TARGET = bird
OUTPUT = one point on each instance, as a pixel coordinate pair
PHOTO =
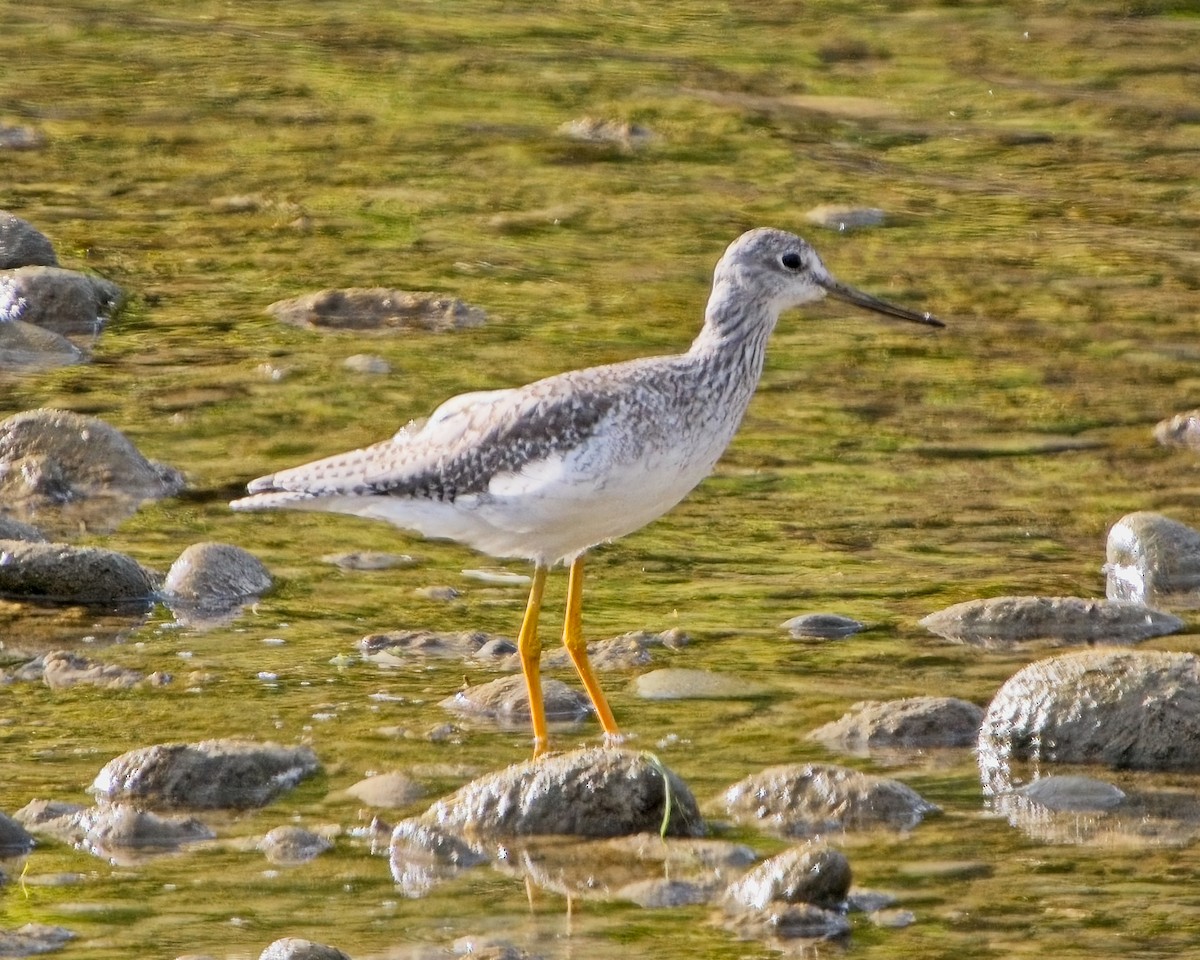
(546, 471)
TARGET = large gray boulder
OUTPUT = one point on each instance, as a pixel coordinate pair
(59, 572)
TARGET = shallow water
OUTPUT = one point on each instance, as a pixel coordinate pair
(1038, 166)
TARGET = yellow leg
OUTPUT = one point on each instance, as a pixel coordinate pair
(577, 648)
(530, 649)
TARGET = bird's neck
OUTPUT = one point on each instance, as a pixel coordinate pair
(736, 327)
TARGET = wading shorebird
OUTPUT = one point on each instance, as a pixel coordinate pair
(546, 471)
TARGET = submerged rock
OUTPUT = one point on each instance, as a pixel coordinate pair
(1125, 709)
(33, 939)
(1181, 430)
(1072, 794)
(63, 668)
(377, 309)
(393, 790)
(58, 572)
(296, 948)
(800, 800)
(23, 245)
(597, 792)
(291, 844)
(811, 873)
(14, 838)
(55, 457)
(620, 133)
(403, 646)
(421, 855)
(914, 722)
(110, 826)
(1151, 558)
(22, 345)
(1003, 620)
(506, 701)
(225, 774)
(64, 301)
(681, 683)
(821, 626)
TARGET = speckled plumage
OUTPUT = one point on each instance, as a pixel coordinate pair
(547, 470)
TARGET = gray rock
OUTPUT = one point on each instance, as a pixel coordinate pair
(226, 774)
(809, 799)
(402, 646)
(291, 844)
(1072, 793)
(619, 133)
(23, 245)
(11, 529)
(367, 363)
(1007, 620)
(811, 873)
(295, 948)
(664, 892)
(64, 301)
(843, 218)
(914, 722)
(52, 457)
(109, 826)
(54, 818)
(1125, 709)
(1152, 558)
(506, 702)
(788, 921)
(598, 792)
(60, 572)
(62, 669)
(14, 838)
(1181, 430)
(681, 683)
(393, 790)
(24, 346)
(822, 626)
(33, 939)
(215, 575)
(377, 309)
(369, 560)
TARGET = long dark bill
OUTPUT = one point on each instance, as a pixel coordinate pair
(842, 292)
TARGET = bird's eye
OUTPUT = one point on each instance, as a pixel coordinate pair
(791, 260)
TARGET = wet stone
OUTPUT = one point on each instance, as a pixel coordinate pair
(662, 893)
(50, 457)
(681, 683)
(54, 818)
(844, 218)
(216, 575)
(22, 345)
(369, 560)
(402, 646)
(787, 921)
(296, 948)
(23, 245)
(233, 774)
(821, 626)
(1068, 620)
(393, 791)
(1072, 793)
(33, 939)
(367, 363)
(377, 309)
(64, 301)
(14, 838)
(1151, 558)
(914, 722)
(62, 669)
(506, 701)
(291, 844)
(59, 572)
(421, 855)
(598, 792)
(809, 799)
(1181, 430)
(630, 136)
(11, 529)
(110, 826)
(812, 873)
(1125, 709)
